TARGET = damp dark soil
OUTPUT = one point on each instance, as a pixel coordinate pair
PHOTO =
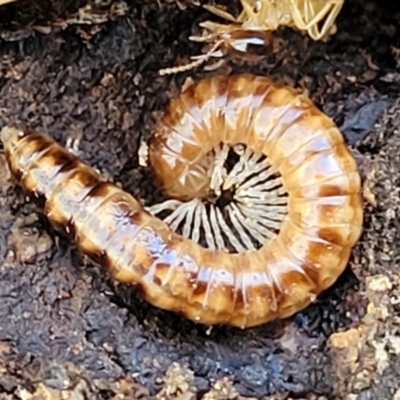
(87, 73)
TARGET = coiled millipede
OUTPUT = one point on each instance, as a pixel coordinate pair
(303, 254)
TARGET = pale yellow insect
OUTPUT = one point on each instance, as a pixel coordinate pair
(256, 22)
(269, 15)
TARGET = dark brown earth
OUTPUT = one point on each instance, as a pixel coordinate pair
(66, 330)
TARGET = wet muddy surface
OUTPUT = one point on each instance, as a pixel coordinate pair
(95, 87)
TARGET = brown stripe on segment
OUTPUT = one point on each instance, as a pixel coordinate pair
(343, 184)
(170, 118)
(250, 281)
(56, 165)
(80, 182)
(57, 157)
(64, 203)
(268, 256)
(39, 142)
(335, 219)
(40, 149)
(98, 194)
(88, 177)
(303, 262)
(319, 190)
(202, 281)
(297, 276)
(261, 86)
(240, 293)
(239, 300)
(200, 292)
(101, 190)
(163, 266)
(331, 190)
(260, 296)
(302, 244)
(123, 216)
(218, 84)
(94, 215)
(31, 136)
(334, 259)
(316, 248)
(311, 270)
(191, 107)
(26, 155)
(56, 212)
(214, 270)
(70, 165)
(329, 235)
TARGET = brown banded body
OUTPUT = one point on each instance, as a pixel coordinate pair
(304, 256)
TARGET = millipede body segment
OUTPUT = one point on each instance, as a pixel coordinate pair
(311, 249)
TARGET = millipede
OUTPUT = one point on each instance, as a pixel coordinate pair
(294, 215)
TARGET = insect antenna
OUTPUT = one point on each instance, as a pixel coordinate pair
(198, 60)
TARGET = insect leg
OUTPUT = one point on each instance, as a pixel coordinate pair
(330, 20)
(251, 14)
(219, 12)
(310, 25)
(202, 59)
